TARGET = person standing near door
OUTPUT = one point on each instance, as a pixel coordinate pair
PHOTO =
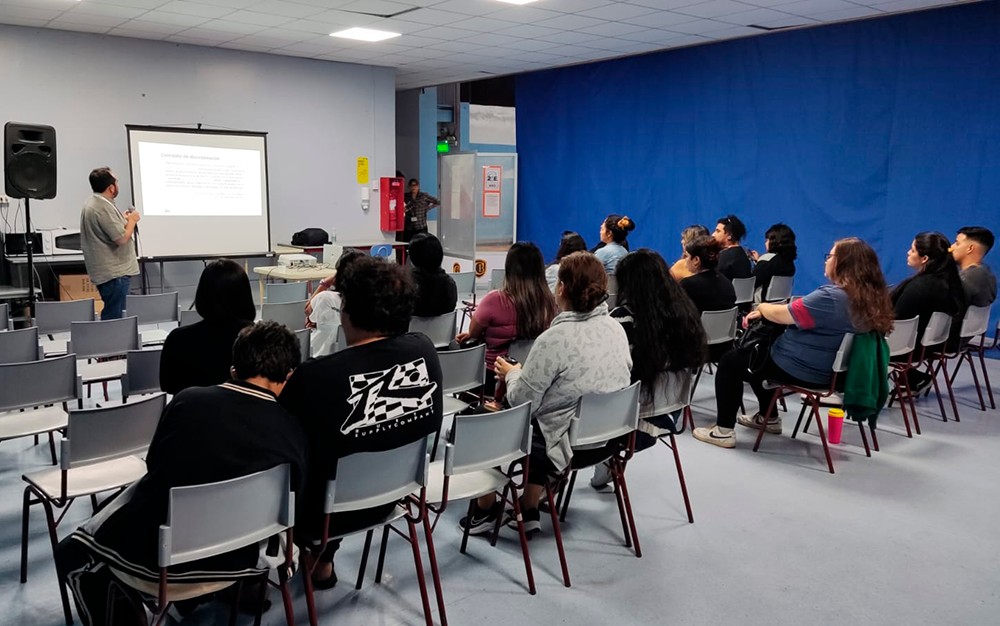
(418, 203)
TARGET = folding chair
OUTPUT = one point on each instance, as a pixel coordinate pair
(744, 290)
(153, 310)
(216, 518)
(902, 341)
(305, 343)
(20, 346)
(54, 318)
(933, 356)
(440, 330)
(974, 324)
(612, 291)
(473, 466)
(780, 289)
(720, 328)
(291, 314)
(99, 454)
(520, 349)
(26, 393)
(497, 278)
(600, 419)
(278, 293)
(5, 322)
(465, 284)
(462, 370)
(98, 340)
(189, 317)
(813, 396)
(372, 479)
(142, 373)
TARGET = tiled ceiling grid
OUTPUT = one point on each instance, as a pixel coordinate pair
(444, 41)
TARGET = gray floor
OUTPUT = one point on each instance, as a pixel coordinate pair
(907, 537)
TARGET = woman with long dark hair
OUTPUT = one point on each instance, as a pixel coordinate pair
(200, 355)
(778, 260)
(522, 309)
(855, 301)
(666, 341)
(571, 242)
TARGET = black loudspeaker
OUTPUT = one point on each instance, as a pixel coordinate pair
(29, 160)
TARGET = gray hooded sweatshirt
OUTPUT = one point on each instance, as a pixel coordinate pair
(580, 353)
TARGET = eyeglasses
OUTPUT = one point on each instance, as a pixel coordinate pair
(827, 257)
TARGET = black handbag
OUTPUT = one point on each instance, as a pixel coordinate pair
(757, 338)
(311, 237)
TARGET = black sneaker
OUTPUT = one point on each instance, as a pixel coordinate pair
(482, 521)
(531, 519)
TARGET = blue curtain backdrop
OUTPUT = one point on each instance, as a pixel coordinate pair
(877, 129)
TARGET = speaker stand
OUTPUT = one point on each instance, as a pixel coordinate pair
(31, 262)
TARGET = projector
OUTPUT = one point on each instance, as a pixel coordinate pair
(297, 260)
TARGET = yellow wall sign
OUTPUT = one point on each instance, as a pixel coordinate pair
(480, 268)
(362, 170)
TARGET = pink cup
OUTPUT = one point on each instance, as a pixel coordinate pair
(834, 425)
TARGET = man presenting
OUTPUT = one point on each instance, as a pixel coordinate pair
(106, 242)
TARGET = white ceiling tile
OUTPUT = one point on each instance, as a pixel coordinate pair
(310, 49)
(848, 14)
(79, 28)
(428, 53)
(262, 40)
(687, 40)
(89, 20)
(139, 4)
(788, 21)
(153, 27)
(194, 8)
(571, 37)
(175, 19)
(663, 5)
(432, 16)
(258, 19)
(640, 47)
(23, 21)
(616, 11)
(647, 36)
(336, 16)
(446, 33)
(244, 47)
(136, 34)
(226, 26)
(213, 36)
(29, 13)
(698, 27)
(492, 39)
(570, 51)
(524, 15)
(576, 7)
(417, 40)
(483, 24)
(336, 4)
(774, 3)
(191, 41)
(107, 10)
(232, 4)
(286, 9)
(291, 53)
(456, 46)
(55, 5)
(661, 19)
(432, 64)
(733, 31)
(755, 16)
(908, 5)
(569, 22)
(468, 7)
(314, 27)
(377, 7)
(530, 45)
(396, 26)
(610, 43)
(612, 29)
(714, 8)
(811, 7)
(528, 31)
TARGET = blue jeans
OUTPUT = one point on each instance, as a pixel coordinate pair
(113, 294)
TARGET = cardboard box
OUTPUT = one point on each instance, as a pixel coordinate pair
(79, 287)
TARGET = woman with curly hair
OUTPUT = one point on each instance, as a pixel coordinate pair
(778, 260)
(856, 301)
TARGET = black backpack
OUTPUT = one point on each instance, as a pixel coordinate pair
(311, 237)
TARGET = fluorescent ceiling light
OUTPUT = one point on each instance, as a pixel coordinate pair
(365, 34)
(518, 2)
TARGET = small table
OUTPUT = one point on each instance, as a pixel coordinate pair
(295, 274)
(287, 248)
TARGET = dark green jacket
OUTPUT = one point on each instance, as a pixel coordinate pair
(866, 387)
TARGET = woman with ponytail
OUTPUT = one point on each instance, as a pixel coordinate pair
(614, 232)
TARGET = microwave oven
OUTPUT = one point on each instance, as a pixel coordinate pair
(50, 242)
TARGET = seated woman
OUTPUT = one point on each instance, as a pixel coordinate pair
(856, 301)
(571, 242)
(614, 232)
(323, 307)
(935, 286)
(779, 260)
(205, 435)
(201, 354)
(436, 291)
(708, 289)
(666, 341)
(679, 270)
(585, 351)
(521, 309)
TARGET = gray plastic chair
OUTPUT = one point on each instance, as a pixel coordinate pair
(278, 293)
(465, 283)
(780, 289)
(720, 326)
(153, 309)
(53, 317)
(101, 453)
(34, 385)
(189, 317)
(902, 341)
(142, 373)
(520, 349)
(217, 518)
(496, 279)
(744, 289)
(440, 330)
(612, 291)
(974, 321)
(480, 446)
(291, 314)
(461, 370)
(305, 343)
(5, 322)
(20, 346)
(372, 479)
(95, 340)
(933, 356)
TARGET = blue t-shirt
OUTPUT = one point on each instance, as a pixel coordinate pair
(609, 256)
(807, 349)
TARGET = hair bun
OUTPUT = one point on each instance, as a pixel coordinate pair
(626, 223)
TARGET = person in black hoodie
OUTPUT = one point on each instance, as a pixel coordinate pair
(935, 287)
(708, 289)
(200, 355)
(436, 291)
(733, 261)
(206, 435)
(778, 260)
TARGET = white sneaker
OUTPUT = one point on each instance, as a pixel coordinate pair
(715, 436)
(754, 421)
(602, 476)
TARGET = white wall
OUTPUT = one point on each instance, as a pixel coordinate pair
(320, 117)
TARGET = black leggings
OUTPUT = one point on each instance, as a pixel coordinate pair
(733, 372)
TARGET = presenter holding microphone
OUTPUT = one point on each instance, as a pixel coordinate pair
(106, 240)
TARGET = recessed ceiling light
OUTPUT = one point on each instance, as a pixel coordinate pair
(518, 2)
(365, 34)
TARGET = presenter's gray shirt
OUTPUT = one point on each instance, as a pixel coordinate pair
(101, 223)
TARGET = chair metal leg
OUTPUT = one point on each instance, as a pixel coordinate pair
(986, 376)
(286, 596)
(937, 392)
(763, 423)
(871, 429)
(465, 532)
(381, 554)
(616, 480)
(822, 434)
(52, 448)
(435, 572)
(558, 533)
(898, 391)
(864, 439)
(262, 598)
(802, 413)
(495, 535)
(781, 401)
(975, 378)
(951, 393)
(50, 519)
(305, 564)
(24, 534)
(568, 495)
(234, 604)
(364, 559)
(909, 398)
(524, 543)
(421, 581)
(628, 509)
(680, 476)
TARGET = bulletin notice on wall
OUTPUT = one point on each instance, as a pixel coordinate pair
(492, 176)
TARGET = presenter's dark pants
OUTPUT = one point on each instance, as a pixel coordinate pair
(113, 295)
